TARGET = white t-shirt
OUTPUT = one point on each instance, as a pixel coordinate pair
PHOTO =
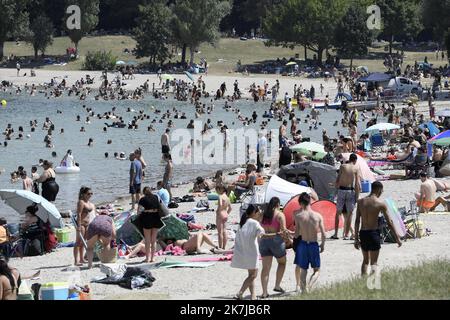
(246, 248)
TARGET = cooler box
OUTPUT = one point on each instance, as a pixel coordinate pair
(366, 187)
(55, 291)
(62, 235)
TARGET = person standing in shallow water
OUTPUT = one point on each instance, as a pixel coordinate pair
(135, 180)
(50, 188)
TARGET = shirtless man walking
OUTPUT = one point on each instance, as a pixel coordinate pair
(307, 224)
(368, 238)
(349, 185)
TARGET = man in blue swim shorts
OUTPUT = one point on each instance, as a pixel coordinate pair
(307, 224)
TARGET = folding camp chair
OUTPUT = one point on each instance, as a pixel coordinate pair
(412, 217)
(377, 142)
(385, 231)
(255, 196)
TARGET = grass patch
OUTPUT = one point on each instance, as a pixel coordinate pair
(426, 281)
(222, 58)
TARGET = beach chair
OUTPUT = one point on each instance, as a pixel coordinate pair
(387, 235)
(377, 142)
(411, 219)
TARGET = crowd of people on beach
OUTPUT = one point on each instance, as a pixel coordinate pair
(262, 231)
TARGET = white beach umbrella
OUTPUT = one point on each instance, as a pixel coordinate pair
(20, 200)
(383, 127)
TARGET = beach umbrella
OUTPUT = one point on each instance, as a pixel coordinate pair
(308, 148)
(189, 75)
(443, 113)
(132, 63)
(20, 200)
(167, 77)
(120, 63)
(174, 229)
(292, 63)
(442, 139)
(383, 127)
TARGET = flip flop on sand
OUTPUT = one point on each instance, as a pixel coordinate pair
(263, 297)
(334, 238)
(238, 297)
(280, 290)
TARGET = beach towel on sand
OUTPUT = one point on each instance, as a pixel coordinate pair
(183, 264)
(228, 257)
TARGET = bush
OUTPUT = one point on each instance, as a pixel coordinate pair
(99, 60)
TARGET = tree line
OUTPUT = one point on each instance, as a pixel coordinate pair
(156, 25)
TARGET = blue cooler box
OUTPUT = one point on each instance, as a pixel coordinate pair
(366, 186)
(55, 291)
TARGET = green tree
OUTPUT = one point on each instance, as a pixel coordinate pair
(310, 23)
(152, 33)
(197, 21)
(89, 10)
(400, 19)
(352, 37)
(41, 35)
(436, 16)
(13, 21)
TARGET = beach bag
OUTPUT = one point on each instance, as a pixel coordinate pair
(163, 210)
(51, 241)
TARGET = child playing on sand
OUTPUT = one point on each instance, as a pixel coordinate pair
(223, 210)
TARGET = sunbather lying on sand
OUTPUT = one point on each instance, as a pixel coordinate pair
(193, 245)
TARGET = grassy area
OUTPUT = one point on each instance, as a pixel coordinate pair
(429, 280)
(222, 58)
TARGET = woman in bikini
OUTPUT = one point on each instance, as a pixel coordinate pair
(194, 244)
(85, 214)
(222, 213)
(9, 281)
(273, 245)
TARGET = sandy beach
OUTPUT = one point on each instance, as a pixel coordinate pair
(339, 261)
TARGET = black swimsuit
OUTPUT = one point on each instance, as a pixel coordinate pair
(50, 189)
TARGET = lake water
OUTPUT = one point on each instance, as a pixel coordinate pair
(109, 177)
